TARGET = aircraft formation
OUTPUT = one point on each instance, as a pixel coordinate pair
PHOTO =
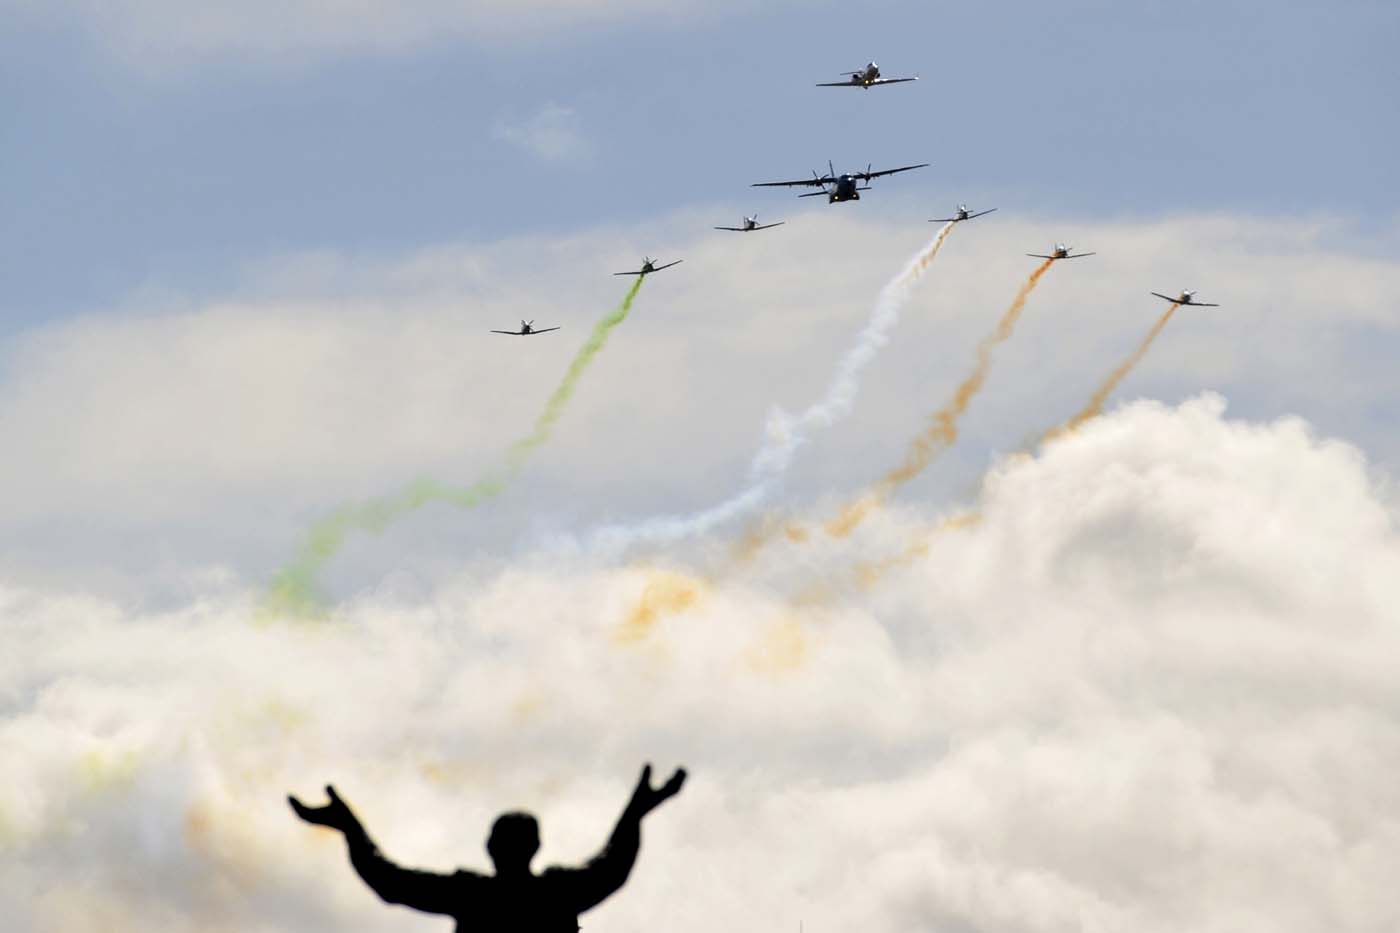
(847, 186)
(295, 586)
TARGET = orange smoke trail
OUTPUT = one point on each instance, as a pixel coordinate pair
(665, 593)
(943, 427)
(870, 573)
(1094, 407)
(922, 263)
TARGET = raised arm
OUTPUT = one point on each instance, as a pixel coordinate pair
(421, 890)
(608, 870)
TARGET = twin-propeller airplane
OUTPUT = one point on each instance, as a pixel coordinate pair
(837, 188)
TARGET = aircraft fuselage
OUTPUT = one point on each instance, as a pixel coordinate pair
(846, 188)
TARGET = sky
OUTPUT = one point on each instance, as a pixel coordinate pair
(1138, 676)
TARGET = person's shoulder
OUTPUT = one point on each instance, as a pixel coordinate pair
(468, 878)
(556, 874)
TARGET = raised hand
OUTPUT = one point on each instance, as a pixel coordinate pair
(335, 814)
(647, 798)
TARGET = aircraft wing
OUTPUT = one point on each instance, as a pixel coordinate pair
(891, 80)
(668, 265)
(766, 226)
(513, 333)
(888, 171)
(542, 330)
(1201, 304)
(808, 182)
(840, 84)
(1078, 255)
(735, 229)
(1040, 256)
(1167, 298)
(980, 213)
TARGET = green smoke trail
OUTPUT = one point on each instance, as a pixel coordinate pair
(294, 590)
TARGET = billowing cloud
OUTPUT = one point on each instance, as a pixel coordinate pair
(1153, 689)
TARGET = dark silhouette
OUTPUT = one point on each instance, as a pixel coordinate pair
(514, 898)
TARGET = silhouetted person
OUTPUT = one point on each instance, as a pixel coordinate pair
(515, 899)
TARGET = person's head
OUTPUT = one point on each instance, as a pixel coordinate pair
(514, 840)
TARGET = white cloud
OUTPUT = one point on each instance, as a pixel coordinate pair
(553, 134)
(208, 436)
(1154, 689)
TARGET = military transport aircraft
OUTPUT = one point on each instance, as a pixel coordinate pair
(1185, 298)
(845, 187)
(527, 329)
(751, 223)
(1061, 251)
(649, 265)
(867, 77)
(960, 214)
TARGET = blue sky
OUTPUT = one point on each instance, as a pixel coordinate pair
(129, 170)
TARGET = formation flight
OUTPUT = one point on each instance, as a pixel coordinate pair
(959, 215)
(527, 329)
(1061, 251)
(649, 265)
(867, 77)
(751, 223)
(1186, 298)
(845, 187)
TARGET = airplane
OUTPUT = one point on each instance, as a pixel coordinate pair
(751, 223)
(1185, 298)
(867, 77)
(527, 329)
(845, 187)
(960, 214)
(1061, 251)
(649, 265)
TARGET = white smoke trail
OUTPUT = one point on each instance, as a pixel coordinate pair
(785, 433)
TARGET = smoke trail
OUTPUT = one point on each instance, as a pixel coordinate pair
(1094, 407)
(294, 590)
(785, 433)
(943, 427)
(664, 594)
(870, 573)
